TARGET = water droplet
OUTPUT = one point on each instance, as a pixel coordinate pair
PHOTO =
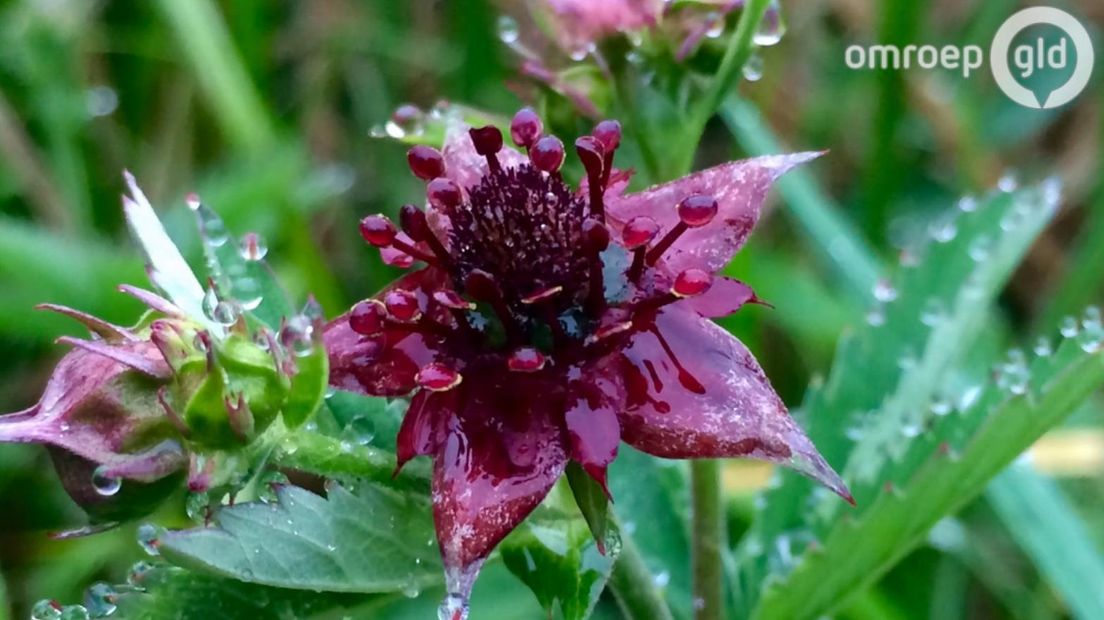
(76, 612)
(101, 599)
(911, 430)
(907, 361)
(1008, 183)
(1092, 332)
(298, 336)
(210, 302)
(248, 293)
(253, 247)
(716, 25)
(1068, 327)
(884, 291)
(411, 591)
(507, 29)
(753, 68)
(943, 231)
(100, 100)
(661, 579)
(1013, 374)
(454, 607)
(876, 317)
(213, 229)
(1043, 347)
(148, 535)
(361, 430)
(933, 312)
(226, 313)
(196, 506)
(377, 131)
(771, 29)
(46, 609)
(941, 407)
(969, 397)
(967, 204)
(979, 248)
(104, 484)
(137, 574)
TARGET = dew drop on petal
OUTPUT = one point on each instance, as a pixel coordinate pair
(104, 484)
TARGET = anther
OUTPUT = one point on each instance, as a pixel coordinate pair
(547, 154)
(596, 239)
(608, 132)
(592, 154)
(437, 377)
(697, 210)
(488, 142)
(443, 193)
(636, 236)
(425, 162)
(525, 359)
(542, 295)
(692, 282)
(366, 318)
(402, 305)
(414, 224)
(526, 128)
(377, 230)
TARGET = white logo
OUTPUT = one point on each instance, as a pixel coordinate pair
(1028, 58)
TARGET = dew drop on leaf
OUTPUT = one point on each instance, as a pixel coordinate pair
(101, 599)
(253, 247)
(884, 291)
(1068, 327)
(76, 612)
(148, 535)
(46, 609)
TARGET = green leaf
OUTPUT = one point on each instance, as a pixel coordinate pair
(921, 326)
(346, 460)
(372, 539)
(1046, 526)
(591, 500)
(935, 473)
(556, 556)
(363, 415)
(170, 592)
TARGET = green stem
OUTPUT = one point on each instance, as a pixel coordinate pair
(708, 539)
(740, 48)
(633, 585)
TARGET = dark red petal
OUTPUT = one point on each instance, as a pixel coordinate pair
(695, 391)
(725, 296)
(386, 364)
(418, 433)
(739, 187)
(498, 458)
(593, 429)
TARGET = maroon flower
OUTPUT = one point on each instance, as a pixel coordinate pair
(551, 324)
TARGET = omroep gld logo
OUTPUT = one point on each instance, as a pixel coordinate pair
(1029, 58)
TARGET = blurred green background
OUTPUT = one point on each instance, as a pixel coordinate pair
(266, 109)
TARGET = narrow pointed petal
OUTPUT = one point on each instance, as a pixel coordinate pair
(138, 359)
(418, 434)
(98, 326)
(153, 300)
(593, 430)
(467, 167)
(739, 187)
(725, 296)
(499, 456)
(696, 392)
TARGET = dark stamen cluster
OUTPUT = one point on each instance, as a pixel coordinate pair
(524, 228)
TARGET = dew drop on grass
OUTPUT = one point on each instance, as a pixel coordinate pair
(771, 29)
(876, 317)
(148, 535)
(753, 68)
(716, 25)
(941, 407)
(1043, 347)
(507, 29)
(1008, 183)
(1068, 327)
(101, 600)
(884, 291)
(979, 248)
(1092, 331)
(944, 231)
(932, 313)
(104, 484)
(253, 247)
(967, 204)
(226, 313)
(213, 229)
(46, 609)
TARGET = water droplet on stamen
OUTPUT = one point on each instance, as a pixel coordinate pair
(104, 484)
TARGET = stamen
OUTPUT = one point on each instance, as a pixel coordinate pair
(413, 252)
(366, 318)
(488, 142)
(481, 285)
(526, 128)
(636, 236)
(687, 380)
(692, 282)
(608, 132)
(437, 377)
(402, 306)
(452, 301)
(425, 162)
(547, 155)
(377, 230)
(542, 295)
(608, 330)
(525, 359)
(592, 154)
(596, 239)
(444, 193)
(694, 212)
(544, 300)
(415, 225)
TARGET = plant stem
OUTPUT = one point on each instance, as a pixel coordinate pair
(737, 54)
(708, 539)
(634, 586)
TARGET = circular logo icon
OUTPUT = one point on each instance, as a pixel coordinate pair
(1002, 42)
